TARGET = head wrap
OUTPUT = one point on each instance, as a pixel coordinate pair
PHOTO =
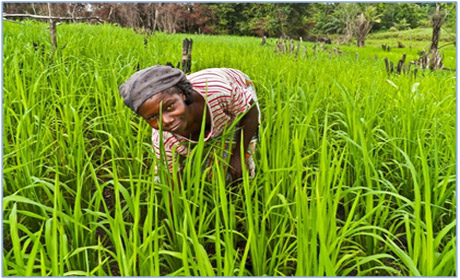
(145, 83)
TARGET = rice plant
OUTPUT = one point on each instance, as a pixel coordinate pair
(355, 175)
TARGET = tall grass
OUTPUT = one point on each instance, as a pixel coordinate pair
(356, 169)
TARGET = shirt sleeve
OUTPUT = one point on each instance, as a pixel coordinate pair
(242, 92)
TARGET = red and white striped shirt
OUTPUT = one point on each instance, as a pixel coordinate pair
(227, 94)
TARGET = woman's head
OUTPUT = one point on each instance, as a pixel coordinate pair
(151, 81)
(169, 109)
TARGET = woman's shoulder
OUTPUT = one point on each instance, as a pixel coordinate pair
(206, 74)
(223, 73)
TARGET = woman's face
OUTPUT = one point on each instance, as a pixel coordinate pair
(175, 113)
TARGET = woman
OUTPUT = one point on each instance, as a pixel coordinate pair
(221, 95)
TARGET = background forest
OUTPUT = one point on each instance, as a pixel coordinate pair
(250, 19)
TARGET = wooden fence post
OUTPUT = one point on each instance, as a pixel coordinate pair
(52, 28)
(53, 33)
(187, 55)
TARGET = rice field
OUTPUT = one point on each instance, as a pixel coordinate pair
(356, 168)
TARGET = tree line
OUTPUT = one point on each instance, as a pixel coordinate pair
(250, 19)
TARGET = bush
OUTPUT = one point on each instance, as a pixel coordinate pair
(402, 25)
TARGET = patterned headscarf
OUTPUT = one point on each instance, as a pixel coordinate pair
(145, 83)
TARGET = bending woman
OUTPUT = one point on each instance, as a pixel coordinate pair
(225, 93)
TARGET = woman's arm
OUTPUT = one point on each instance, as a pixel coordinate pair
(249, 125)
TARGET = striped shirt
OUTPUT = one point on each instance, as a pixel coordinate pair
(227, 94)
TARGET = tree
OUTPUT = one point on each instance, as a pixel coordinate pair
(300, 18)
(197, 19)
(437, 23)
(345, 16)
(364, 23)
(262, 22)
(228, 16)
(393, 13)
(402, 25)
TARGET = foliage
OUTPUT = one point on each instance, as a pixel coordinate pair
(342, 20)
(272, 19)
(351, 19)
(402, 25)
(338, 18)
(253, 19)
(418, 34)
(356, 168)
(364, 23)
(392, 13)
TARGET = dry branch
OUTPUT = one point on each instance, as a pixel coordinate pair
(51, 17)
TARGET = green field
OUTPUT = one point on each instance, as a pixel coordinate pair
(356, 167)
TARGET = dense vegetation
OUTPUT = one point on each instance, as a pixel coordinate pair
(356, 167)
(252, 19)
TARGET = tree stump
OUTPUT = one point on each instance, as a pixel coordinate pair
(387, 65)
(400, 64)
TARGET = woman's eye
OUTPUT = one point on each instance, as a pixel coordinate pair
(170, 106)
